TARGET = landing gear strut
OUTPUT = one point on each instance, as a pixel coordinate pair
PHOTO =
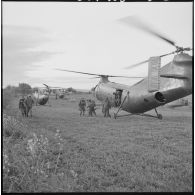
(115, 114)
(159, 116)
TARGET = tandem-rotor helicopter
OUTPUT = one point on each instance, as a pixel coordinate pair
(59, 92)
(163, 84)
(42, 97)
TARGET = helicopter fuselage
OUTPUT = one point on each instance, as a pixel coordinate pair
(40, 99)
(175, 83)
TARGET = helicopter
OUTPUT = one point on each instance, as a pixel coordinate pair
(162, 85)
(59, 92)
(42, 96)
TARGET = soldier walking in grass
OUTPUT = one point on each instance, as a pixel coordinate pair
(82, 105)
(91, 107)
(106, 107)
(22, 107)
(25, 106)
(28, 105)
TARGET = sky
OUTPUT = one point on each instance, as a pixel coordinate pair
(39, 37)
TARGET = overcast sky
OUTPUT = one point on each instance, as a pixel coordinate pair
(41, 36)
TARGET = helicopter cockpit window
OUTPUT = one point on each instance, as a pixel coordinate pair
(117, 97)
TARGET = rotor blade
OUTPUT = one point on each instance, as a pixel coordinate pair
(130, 77)
(136, 22)
(53, 87)
(48, 88)
(78, 72)
(56, 87)
(46, 85)
(95, 77)
(188, 49)
(143, 62)
(100, 75)
(135, 65)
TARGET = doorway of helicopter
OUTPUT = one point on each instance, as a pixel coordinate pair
(117, 97)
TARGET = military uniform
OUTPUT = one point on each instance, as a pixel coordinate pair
(91, 107)
(22, 107)
(106, 107)
(82, 105)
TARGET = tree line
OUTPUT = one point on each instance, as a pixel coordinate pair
(21, 89)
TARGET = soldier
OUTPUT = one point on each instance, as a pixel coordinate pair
(28, 105)
(22, 107)
(106, 107)
(82, 105)
(91, 107)
(117, 95)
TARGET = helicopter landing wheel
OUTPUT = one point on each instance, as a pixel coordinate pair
(160, 116)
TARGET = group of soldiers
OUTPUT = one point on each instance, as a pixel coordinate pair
(91, 107)
(90, 104)
(25, 105)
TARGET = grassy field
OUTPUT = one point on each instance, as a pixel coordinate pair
(129, 154)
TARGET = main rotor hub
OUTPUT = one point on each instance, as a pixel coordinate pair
(182, 49)
(104, 78)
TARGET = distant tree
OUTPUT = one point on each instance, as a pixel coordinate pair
(9, 87)
(12, 90)
(70, 89)
(24, 88)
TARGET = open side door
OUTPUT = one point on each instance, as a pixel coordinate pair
(117, 97)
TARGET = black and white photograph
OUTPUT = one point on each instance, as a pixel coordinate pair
(97, 96)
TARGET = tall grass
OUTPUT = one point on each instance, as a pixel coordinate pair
(58, 151)
(31, 162)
